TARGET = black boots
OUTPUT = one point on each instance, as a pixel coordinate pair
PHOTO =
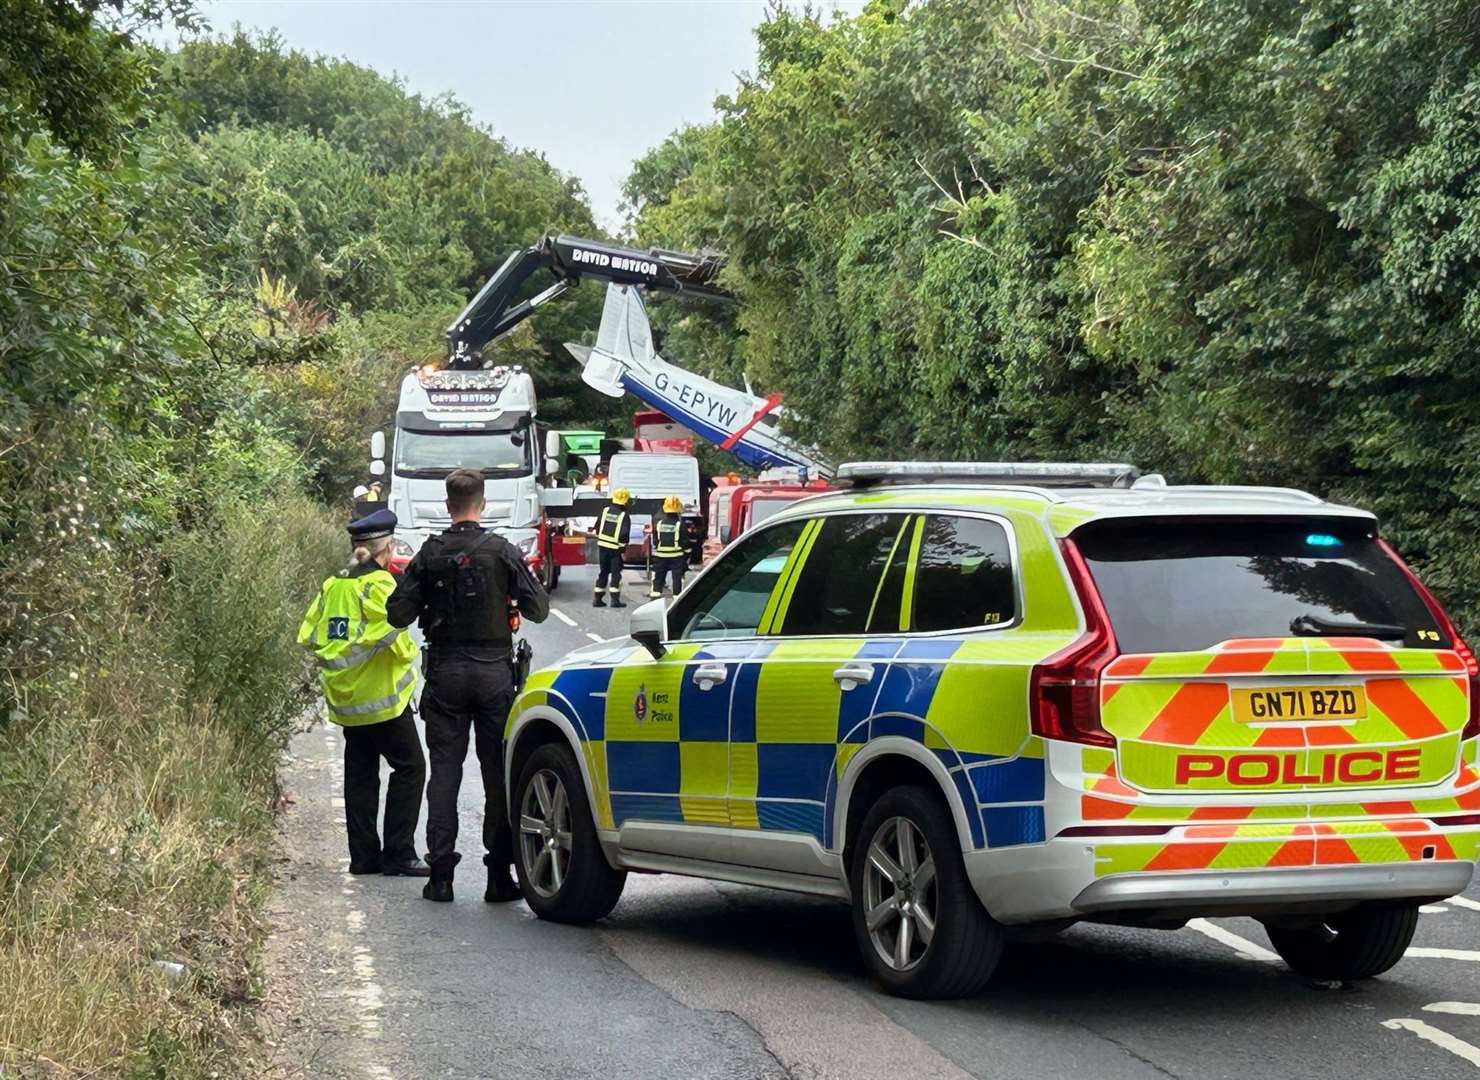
(414, 868)
(597, 601)
(439, 885)
(501, 886)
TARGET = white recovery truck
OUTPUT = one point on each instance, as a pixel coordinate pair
(480, 419)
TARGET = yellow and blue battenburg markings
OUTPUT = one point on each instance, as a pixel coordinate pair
(766, 748)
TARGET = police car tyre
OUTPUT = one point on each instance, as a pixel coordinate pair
(922, 931)
(562, 872)
(1356, 944)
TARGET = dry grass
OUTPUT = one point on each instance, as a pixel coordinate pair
(136, 809)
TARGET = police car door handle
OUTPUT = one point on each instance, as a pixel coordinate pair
(852, 676)
(708, 676)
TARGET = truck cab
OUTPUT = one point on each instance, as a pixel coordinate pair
(484, 420)
(735, 508)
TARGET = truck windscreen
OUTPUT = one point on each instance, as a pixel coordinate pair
(435, 454)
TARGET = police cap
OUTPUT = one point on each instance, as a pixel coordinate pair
(373, 526)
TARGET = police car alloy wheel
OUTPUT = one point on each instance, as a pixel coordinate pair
(920, 927)
(899, 894)
(544, 832)
(1355, 944)
(562, 870)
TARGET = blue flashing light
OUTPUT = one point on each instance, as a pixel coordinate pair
(1322, 540)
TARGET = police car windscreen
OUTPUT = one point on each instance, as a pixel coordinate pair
(420, 453)
(1177, 586)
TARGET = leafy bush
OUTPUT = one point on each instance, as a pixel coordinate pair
(1232, 241)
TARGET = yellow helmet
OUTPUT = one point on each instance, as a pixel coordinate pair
(673, 505)
(621, 496)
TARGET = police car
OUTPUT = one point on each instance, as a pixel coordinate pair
(970, 698)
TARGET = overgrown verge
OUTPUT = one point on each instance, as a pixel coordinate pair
(137, 781)
(215, 265)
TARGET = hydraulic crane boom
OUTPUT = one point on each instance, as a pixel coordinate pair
(495, 310)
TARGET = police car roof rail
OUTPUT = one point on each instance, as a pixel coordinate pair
(1250, 491)
(496, 309)
(1025, 473)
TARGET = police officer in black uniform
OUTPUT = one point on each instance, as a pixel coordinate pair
(460, 586)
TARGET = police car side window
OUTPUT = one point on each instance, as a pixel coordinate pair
(730, 599)
(964, 575)
(838, 585)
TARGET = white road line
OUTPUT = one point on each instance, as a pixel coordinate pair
(562, 616)
(1241, 945)
(594, 637)
(1454, 1008)
(1471, 955)
(1432, 909)
(1442, 1039)
(1464, 902)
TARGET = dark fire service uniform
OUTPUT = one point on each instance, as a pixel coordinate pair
(613, 533)
(460, 585)
(669, 556)
(367, 670)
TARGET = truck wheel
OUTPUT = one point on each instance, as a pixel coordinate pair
(919, 924)
(549, 572)
(1356, 944)
(562, 871)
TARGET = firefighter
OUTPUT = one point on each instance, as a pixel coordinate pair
(463, 586)
(613, 531)
(366, 667)
(669, 557)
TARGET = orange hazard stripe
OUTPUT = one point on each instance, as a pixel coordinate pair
(1240, 663)
(1186, 856)
(1191, 712)
(1404, 708)
(1372, 659)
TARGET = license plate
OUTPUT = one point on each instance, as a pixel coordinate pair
(1276, 704)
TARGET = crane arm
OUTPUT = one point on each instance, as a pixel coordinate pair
(494, 311)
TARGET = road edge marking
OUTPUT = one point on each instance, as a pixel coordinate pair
(1472, 955)
(562, 616)
(1442, 1039)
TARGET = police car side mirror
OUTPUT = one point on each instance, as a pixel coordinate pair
(650, 626)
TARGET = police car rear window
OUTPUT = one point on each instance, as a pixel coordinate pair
(963, 576)
(1172, 586)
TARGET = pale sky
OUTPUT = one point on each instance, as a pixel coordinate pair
(590, 83)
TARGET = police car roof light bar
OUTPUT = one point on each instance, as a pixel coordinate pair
(1027, 473)
(494, 311)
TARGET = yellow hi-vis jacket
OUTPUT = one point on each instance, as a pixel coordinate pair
(366, 665)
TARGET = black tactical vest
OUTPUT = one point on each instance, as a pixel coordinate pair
(466, 598)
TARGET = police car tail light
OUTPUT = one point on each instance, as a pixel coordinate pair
(1065, 689)
(1446, 627)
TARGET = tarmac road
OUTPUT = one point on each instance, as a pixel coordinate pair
(693, 979)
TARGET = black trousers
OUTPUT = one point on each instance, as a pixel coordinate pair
(467, 689)
(364, 746)
(609, 569)
(672, 566)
